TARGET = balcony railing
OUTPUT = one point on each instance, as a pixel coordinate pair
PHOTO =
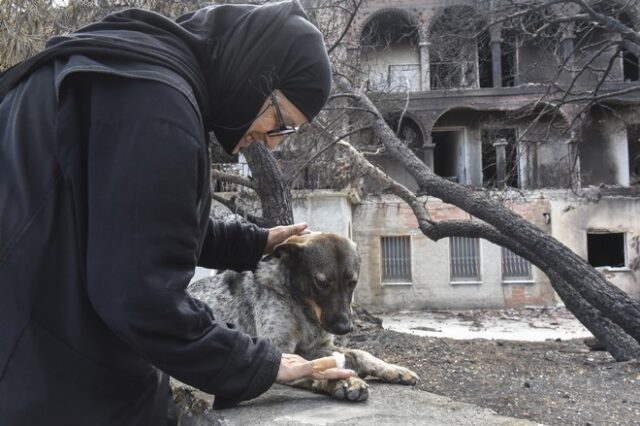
(318, 175)
(450, 75)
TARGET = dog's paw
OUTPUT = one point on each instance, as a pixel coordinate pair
(351, 389)
(397, 374)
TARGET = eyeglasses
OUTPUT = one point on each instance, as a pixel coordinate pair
(283, 129)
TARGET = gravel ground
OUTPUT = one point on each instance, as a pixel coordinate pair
(556, 382)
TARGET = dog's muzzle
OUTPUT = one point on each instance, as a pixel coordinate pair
(341, 325)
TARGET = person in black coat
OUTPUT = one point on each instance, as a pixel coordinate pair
(104, 198)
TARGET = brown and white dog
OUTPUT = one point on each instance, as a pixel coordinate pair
(299, 297)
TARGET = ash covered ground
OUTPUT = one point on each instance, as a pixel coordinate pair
(558, 381)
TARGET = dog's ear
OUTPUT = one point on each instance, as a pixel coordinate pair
(291, 248)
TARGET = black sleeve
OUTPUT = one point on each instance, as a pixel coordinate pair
(232, 246)
(143, 238)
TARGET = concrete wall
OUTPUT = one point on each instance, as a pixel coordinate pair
(365, 221)
(604, 154)
(325, 211)
(377, 63)
(548, 162)
(431, 286)
(572, 219)
(396, 171)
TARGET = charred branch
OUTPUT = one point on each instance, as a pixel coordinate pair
(621, 346)
(553, 256)
(232, 178)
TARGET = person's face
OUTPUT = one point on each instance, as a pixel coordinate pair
(267, 120)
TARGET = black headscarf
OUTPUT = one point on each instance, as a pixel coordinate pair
(233, 56)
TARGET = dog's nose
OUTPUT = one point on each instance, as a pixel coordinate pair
(343, 325)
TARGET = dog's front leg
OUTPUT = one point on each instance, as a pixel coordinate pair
(351, 389)
(366, 364)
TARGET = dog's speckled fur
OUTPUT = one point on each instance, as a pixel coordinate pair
(297, 298)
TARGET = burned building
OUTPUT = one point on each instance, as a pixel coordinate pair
(514, 112)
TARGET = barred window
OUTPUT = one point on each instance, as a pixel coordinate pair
(514, 267)
(465, 259)
(396, 259)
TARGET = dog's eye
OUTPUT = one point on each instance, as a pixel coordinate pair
(352, 283)
(320, 283)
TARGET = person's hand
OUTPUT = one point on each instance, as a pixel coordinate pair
(294, 367)
(278, 234)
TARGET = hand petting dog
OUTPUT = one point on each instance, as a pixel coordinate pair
(278, 234)
(294, 367)
(303, 321)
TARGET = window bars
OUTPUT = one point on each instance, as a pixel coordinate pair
(514, 267)
(465, 259)
(396, 259)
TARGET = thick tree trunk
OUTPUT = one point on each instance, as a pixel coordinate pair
(270, 185)
(551, 255)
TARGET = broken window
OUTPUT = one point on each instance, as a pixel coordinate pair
(396, 258)
(447, 154)
(465, 259)
(489, 158)
(514, 267)
(606, 249)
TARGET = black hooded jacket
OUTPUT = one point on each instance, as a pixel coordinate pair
(104, 213)
(104, 217)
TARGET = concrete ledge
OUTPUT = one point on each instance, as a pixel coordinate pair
(387, 405)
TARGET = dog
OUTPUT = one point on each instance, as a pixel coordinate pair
(300, 297)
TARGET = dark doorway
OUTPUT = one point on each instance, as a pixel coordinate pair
(633, 143)
(606, 249)
(630, 68)
(448, 153)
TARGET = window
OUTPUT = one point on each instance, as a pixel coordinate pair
(465, 259)
(514, 267)
(396, 259)
(606, 249)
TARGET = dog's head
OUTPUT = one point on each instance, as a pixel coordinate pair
(324, 271)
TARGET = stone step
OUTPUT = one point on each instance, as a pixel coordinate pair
(393, 405)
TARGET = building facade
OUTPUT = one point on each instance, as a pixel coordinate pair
(473, 102)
